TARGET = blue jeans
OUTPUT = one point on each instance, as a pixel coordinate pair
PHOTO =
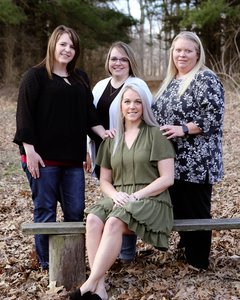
(128, 249)
(64, 184)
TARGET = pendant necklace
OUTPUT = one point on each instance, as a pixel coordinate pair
(113, 90)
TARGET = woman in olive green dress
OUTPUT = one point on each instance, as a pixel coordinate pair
(137, 167)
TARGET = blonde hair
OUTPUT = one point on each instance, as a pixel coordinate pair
(48, 61)
(147, 116)
(133, 67)
(172, 70)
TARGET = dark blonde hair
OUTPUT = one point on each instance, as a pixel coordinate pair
(48, 61)
(172, 70)
(133, 67)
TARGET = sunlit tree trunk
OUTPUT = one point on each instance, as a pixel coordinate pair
(141, 35)
(9, 39)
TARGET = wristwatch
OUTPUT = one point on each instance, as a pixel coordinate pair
(185, 129)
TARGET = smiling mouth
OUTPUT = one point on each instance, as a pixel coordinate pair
(66, 55)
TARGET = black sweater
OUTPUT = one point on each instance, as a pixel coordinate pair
(55, 116)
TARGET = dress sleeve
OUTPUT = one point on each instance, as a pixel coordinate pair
(28, 95)
(104, 154)
(162, 148)
(209, 94)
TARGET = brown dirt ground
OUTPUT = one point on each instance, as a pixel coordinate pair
(153, 275)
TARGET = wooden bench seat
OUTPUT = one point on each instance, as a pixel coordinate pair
(206, 224)
(67, 244)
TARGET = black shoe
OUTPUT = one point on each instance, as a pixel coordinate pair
(95, 297)
(76, 295)
(180, 244)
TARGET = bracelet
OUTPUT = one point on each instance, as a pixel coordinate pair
(135, 197)
(185, 129)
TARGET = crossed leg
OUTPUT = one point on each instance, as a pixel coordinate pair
(103, 243)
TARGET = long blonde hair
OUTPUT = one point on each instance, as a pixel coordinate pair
(147, 116)
(172, 70)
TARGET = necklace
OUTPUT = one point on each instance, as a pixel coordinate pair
(113, 90)
(62, 76)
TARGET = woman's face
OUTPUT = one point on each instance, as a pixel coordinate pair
(185, 55)
(118, 63)
(131, 106)
(64, 50)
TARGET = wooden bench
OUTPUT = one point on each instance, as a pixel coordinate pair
(67, 244)
(66, 250)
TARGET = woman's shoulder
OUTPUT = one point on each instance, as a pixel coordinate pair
(36, 70)
(102, 81)
(206, 74)
(159, 140)
(81, 72)
(207, 79)
(35, 73)
(107, 143)
(153, 130)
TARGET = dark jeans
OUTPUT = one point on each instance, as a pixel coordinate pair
(193, 201)
(67, 183)
(128, 249)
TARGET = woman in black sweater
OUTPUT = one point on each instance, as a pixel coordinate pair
(55, 112)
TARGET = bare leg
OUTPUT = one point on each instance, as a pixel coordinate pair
(105, 256)
(94, 233)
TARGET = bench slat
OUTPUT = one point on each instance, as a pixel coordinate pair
(206, 224)
(54, 228)
(179, 225)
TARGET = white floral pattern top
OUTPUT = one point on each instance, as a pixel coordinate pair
(198, 157)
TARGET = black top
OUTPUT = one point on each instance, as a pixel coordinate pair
(103, 106)
(55, 116)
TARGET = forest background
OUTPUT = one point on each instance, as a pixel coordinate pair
(25, 26)
(149, 27)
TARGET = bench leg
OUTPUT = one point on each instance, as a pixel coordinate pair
(67, 260)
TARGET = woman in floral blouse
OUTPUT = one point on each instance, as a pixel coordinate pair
(189, 107)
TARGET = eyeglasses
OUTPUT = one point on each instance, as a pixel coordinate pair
(122, 60)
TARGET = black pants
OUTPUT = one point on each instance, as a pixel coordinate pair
(193, 201)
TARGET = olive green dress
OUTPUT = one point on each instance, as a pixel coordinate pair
(150, 218)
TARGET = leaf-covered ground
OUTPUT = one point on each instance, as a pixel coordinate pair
(153, 275)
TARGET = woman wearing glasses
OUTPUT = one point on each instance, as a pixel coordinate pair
(122, 67)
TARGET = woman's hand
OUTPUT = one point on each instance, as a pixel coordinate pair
(100, 130)
(33, 160)
(87, 164)
(120, 198)
(109, 133)
(172, 131)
